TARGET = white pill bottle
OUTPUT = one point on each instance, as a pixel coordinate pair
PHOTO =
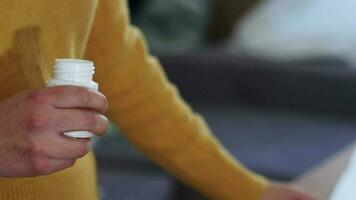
(75, 72)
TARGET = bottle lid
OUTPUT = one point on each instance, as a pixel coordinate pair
(76, 70)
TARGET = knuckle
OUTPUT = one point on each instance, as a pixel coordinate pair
(36, 121)
(38, 97)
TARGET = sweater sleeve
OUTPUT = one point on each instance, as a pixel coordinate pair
(153, 116)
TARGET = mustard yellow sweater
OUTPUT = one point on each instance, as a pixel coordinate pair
(142, 101)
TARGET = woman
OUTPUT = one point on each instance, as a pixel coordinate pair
(142, 102)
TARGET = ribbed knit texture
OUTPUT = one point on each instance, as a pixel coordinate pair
(78, 182)
(146, 106)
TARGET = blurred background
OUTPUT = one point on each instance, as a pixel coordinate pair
(275, 79)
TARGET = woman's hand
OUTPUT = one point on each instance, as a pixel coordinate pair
(285, 192)
(32, 123)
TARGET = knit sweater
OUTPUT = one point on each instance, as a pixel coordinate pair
(145, 105)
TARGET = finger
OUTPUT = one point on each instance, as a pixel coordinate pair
(49, 166)
(60, 147)
(80, 120)
(78, 97)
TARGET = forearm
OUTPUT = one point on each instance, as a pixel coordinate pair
(165, 128)
(151, 113)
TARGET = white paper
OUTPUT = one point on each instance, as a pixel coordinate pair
(346, 187)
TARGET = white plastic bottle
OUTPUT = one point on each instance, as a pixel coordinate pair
(74, 72)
